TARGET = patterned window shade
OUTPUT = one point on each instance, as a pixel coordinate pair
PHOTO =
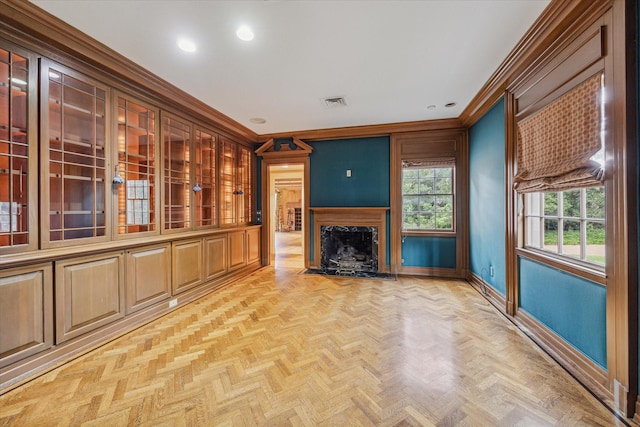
(556, 144)
(444, 162)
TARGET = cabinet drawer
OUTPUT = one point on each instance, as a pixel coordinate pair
(89, 294)
(26, 312)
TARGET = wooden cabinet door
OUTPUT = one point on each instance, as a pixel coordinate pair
(186, 267)
(89, 294)
(26, 312)
(253, 245)
(237, 249)
(215, 256)
(148, 276)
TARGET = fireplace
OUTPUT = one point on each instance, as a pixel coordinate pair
(349, 241)
(348, 250)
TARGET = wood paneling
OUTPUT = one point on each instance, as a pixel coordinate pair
(186, 265)
(148, 276)
(215, 256)
(26, 312)
(437, 144)
(253, 245)
(89, 294)
(237, 249)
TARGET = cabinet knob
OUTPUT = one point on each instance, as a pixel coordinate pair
(197, 188)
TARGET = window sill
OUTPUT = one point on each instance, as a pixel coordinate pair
(416, 233)
(592, 274)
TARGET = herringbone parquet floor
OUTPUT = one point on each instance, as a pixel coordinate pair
(281, 348)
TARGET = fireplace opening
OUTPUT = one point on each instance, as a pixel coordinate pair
(348, 250)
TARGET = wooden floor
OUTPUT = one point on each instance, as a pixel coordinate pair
(282, 348)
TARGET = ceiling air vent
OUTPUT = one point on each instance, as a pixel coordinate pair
(334, 102)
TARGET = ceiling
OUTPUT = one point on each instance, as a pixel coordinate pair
(390, 60)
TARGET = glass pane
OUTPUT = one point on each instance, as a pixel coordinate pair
(411, 203)
(443, 186)
(551, 203)
(410, 186)
(410, 222)
(78, 193)
(444, 221)
(426, 186)
(595, 242)
(444, 172)
(533, 233)
(428, 204)
(427, 221)
(551, 234)
(595, 202)
(571, 203)
(571, 238)
(177, 139)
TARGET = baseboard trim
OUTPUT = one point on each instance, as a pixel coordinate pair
(583, 369)
(450, 273)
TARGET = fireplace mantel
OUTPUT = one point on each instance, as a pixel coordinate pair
(366, 217)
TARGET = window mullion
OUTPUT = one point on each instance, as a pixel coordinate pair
(560, 196)
(583, 224)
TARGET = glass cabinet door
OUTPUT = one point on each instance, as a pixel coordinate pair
(176, 140)
(135, 168)
(76, 169)
(227, 182)
(244, 185)
(16, 158)
(205, 179)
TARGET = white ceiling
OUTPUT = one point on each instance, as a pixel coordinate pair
(389, 59)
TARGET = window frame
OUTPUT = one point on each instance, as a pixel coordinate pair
(580, 263)
(430, 231)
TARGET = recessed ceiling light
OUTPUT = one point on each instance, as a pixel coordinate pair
(449, 105)
(285, 166)
(431, 107)
(244, 33)
(258, 120)
(187, 45)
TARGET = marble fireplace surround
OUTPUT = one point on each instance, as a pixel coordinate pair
(361, 217)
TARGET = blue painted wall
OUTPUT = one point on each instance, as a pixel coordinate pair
(572, 307)
(367, 158)
(437, 252)
(486, 198)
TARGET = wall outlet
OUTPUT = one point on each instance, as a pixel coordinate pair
(491, 271)
(403, 260)
(173, 303)
(348, 173)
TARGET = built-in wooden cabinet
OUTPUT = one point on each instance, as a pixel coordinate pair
(148, 276)
(26, 312)
(75, 155)
(187, 265)
(135, 178)
(237, 249)
(116, 205)
(253, 245)
(18, 159)
(236, 176)
(215, 256)
(89, 293)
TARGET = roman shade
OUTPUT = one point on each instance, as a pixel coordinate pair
(557, 143)
(443, 162)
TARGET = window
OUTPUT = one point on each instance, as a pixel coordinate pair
(427, 198)
(570, 223)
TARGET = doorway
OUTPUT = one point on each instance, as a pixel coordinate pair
(286, 215)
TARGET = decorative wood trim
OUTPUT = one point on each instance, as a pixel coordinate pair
(488, 292)
(66, 43)
(365, 217)
(539, 41)
(448, 273)
(266, 203)
(271, 149)
(581, 367)
(365, 131)
(513, 221)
